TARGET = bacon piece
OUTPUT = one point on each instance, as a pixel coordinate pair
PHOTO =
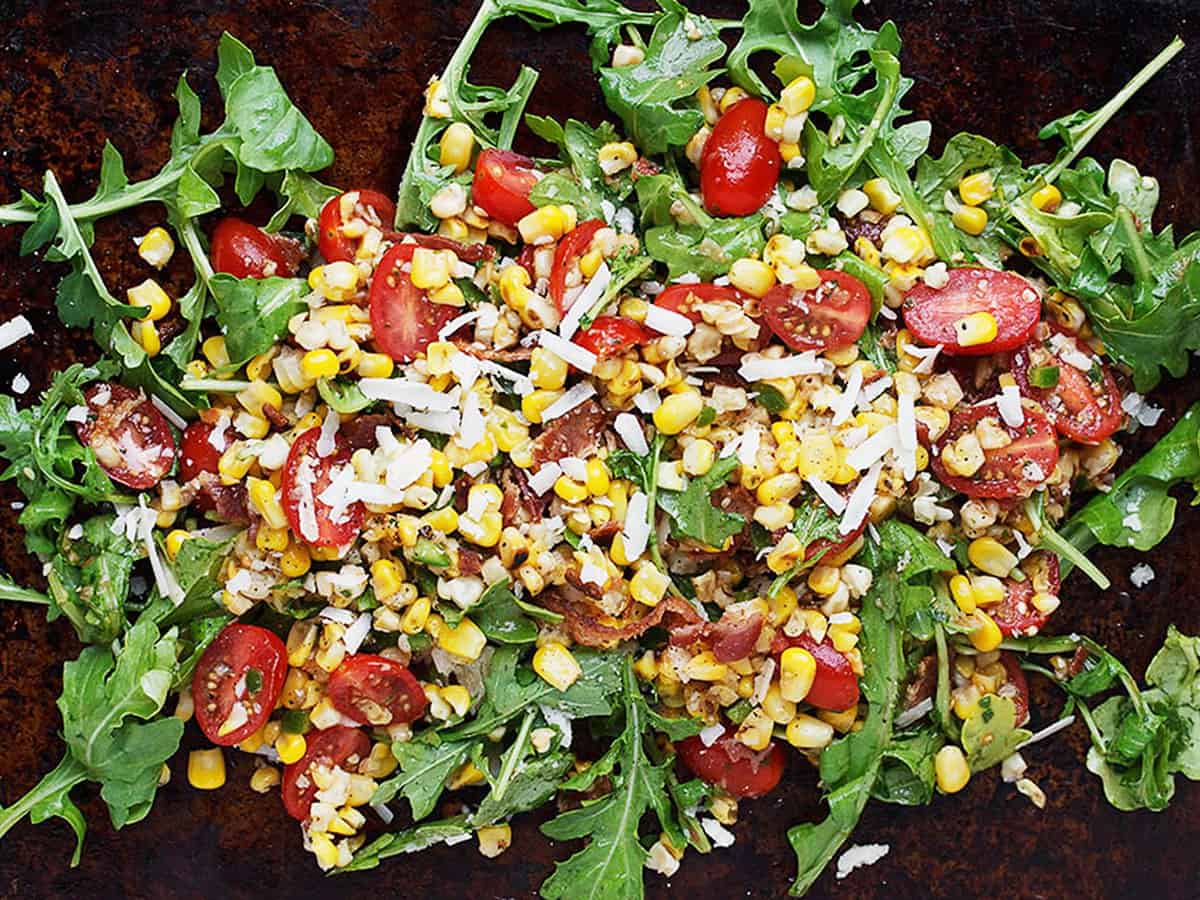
(923, 684)
(229, 501)
(578, 433)
(521, 505)
(359, 432)
(731, 638)
(274, 416)
(470, 562)
(510, 355)
(592, 628)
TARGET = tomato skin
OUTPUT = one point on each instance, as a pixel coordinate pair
(680, 298)
(612, 336)
(835, 686)
(829, 317)
(740, 164)
(364, 684)
(1081, 410)
(131, 439)
(930, 313)
(333, 245)
(244, 251)
(503, 180)
(329, 746)
(304, 453)
(731, 765)
(1019, 690)
(1015, 615)
(829, 548)
(1009, 471)
(198, 453)
(572, 246)
(404, 321)
(223, 665)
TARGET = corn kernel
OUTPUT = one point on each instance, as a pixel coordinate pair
(263, 779)
(456, 146)
(156, 246)
(290, 747)
(798, 96)
(386, 578)
(963, 593)
(547, 370)
(731, 97)
(375, 365)
(465, 641)
(646, 667)
(976, 189)
(146, 334)
(537, 402)
(547, 224)
(752, 276)
(756, 729)
(149, 295)
(570, 490)
(206, 769)
(416, 616)
(797, 671)
(1046, 198)
(648, 585)
(951, 769)
(430, 268)
(824, 580)
(444, 519)
(556, 665)
(807, 732)
(458, 697)
(214, 351)
(779, 488)
(264, 499)
(321, 363)
(778, 708)
(494, 839)
(678, 411)
(615, 157)
(175, 541)
(988, 555)
(988, 590)
(970, 219)
(986, 635)
(882, 195)
(336, 281)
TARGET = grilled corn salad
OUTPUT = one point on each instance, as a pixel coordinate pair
(742, 436)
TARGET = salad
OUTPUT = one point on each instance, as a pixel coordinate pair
(737, 434)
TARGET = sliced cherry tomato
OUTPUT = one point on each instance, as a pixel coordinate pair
(340, 745)
(829, 317)
(740, 164)
(1015, 615)
(835, 685)
(130, 437)
(245, 251)
(1016, 688)
(682, 298)
(828, 548)
(932, 314)
(306, 474)
(200, 453)
(1010, 471)
(611, 336)
(403, 320)
(572, 246)
(375, 690)
(1085, 405)
(238, 682)
(503, 180)
(370, 206)
(731, 765)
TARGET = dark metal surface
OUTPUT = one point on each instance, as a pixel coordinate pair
(72, 74)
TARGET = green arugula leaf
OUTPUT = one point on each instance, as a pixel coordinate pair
(692, 512)
(303, 196)
(426, 762)
(412, 840)
(10, 590)
(254, 312)
(500, 617)
(906, 771)
(88, 580)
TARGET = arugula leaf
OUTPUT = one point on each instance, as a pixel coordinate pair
(906, 771)
(708, 250)
(303, 196)
(500, 617)
(587, 185)
(412, 840)
(88, 580)
(342, 396)
(10, 590)
(692, 512)
(425, 763)
(990, 733)
(254, 312)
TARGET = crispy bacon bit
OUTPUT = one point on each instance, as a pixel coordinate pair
(923, 684)
(520, 506)
(510, 355)
(469, 562)
(229, 501)
(731, 638)
(274, 416)
(592, 628)
(576, 434)
(359, 432)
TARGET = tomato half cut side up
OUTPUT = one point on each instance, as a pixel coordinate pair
(245, 251)
(1083, 404)
(731, 765)
(374, 690)
(129, 436)
(572, 246)
(201, 452)
(611, 336)
(933, 314)
(238, 682)
(683, 298)
(372, 207)
(403, 320)
(306, 474)
(502, 183)
(740, 164)
(1013, 470)
(829, 317)
(835, 685)
(340, 745)
(1015, 615)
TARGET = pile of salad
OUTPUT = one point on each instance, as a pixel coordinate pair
(739, 434)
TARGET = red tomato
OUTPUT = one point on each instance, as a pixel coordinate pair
(831, 316)
(835, 685)
(371, 206)
(305, 475)
(1016, 688)
(613, 335)
(572, 246)
(681, 298)
(503, 180)
(1084, 406)
(130, 437)
(336, 746)
(740, 164)
(226, 689)
(525, 259)
(248, 252)
(829, 548)
(403, 319)
(931, 314)
(374, 690)
(1015, 615)
(731, 765)
(1010, 471)
(198, 453)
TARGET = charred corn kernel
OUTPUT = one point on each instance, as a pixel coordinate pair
(986, 635)
(843, 641)
(797, 671)
(782, 605)
(269, 538)
(466, 776)
(456, 146)
(752, 276)
(175, 541)
(514, 287)
(295, 561)
(430, 268)
(197, 368)
(547, 224)
(646, 667)
(1046, 198)
(156, 246)
(416, 616)
(214, 351)
(970, 219)
(951, 769)
(648, 585)
(598, 480)
(964, 457)
(798, 96)
(731, 96)
(570, 490)
(678, 411)
(988, 589)
(206, 769)
(444, 520)
(381, 762)
(258, 395)
(547, 370)
(439, 357)
(975, 329)
(882, 195)
(778, 708)
(494, 839)
(807, 732)
(536, 402)
(465, 641)
(305, 422)
(977, 188)
(335, 281)
(785, 554)
(290, 747)
(963, 593)
(149, 295)
(146, 334)
(458, 697)
(321, 363)
(556, 665)
(824, 580)
(386, 578)
(264, 499)
(988, 555)
(263, 779)
(616, 156)
(755, 730)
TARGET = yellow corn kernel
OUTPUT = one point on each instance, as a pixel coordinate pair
(970, 219)
(386, 578)
(963, 593)
(206, 769)
(215, 352)
(295, 560)
(264, 499)
(269, 538)
(258, 395)
(755, 730)
(547, 370)
(336, 281)
(547, 224)
(1046, 198)
(782, 605)
(964, 457)
(732, 96)
(775, 122)
(616, 156)
(458, 697)
(570, 490)
(951, 769)
(778, 708)
(149, 295)
(156, 246)
(988, 555)
(807, 732)
(785, 554)
(514, 287)
(882, 195)
(598, 480)
(867, 251)
(321, 363)
(444, 520)
(465, 641)
(449, 294)
(797, 671)
(708, 106)
(699, 456)
(375, 365)
(536, 402)
(824, 580)
(648, 585)
(986, 636)
(976, 189)
(617, 552)
(443, 474)
(456, 146)
(416, 616)
(263, 779)
(146, 334)
(678, 411)
(175, 541)
(494, 839)
(779, 488)
(646, 667)
(988, 590)
(589, 263)
(290, 747)
(798, 96)
(789, 151)
(556, 665)
(484, 532)
(485, 496)
(430, 268)
(752, 276)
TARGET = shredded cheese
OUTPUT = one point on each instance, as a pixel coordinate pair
(15, 329)
(629, 429)
(580, 357)
(636, 532)
(667, 321)
(575, 395)
(584, 301)
(860, 500)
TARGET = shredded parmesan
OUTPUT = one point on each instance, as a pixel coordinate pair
(580, 357)
(636, 532)
(647, 401)
(543, 479)
(1009, 406)
(860, 855)
(456, 323)
(15, 329)
(860, 500)
(410, 393)
(756, 367)
(831, 498)
(576, 395)
(630, 431)
(357, 633)
(584, 301)
(843, 407)
(326, 443)
(667, 321)
(873, 448)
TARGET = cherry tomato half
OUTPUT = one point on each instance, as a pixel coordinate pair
(403, 320)
(611, 336)
(130, 437)
(336, 746)
(572, 246)
(1013, 470)
(502, 183)
(740, 164)
(245, 251)
(682, 298)
(932, 314)
(199, 452)
(835, 685)
(374, 690)
(731, 765)
(1015, 615)
(370, 206)
(1084, 405)
(829, 317)
(1016, 688)
(306, 474)
(238, 682)
(828, 548)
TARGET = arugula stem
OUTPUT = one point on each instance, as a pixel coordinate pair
(1140, 258)
(514, 755)
(1070, 555)
(10, 590)
(189, 236)
(942, 698)
(55, 785)
(214, 385)
(628, 274)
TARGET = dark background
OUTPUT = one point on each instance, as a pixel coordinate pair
(73, 74)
